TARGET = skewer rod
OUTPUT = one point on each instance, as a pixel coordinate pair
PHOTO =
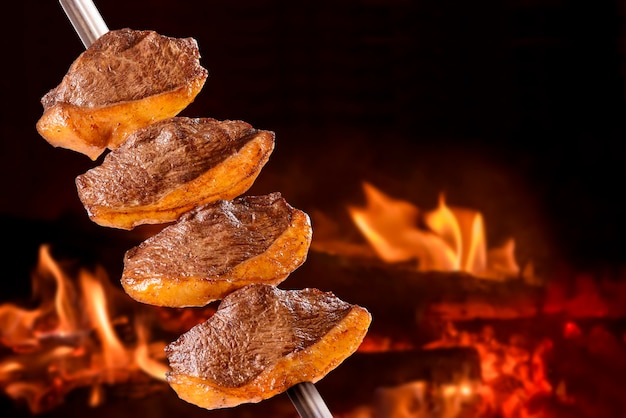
(86, 19)
(308, 401)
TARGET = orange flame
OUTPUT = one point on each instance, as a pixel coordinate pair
(69, 340)
(150, 356)
(114, 353)
(454, 239)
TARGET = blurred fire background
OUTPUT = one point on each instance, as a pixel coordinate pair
(513, 108)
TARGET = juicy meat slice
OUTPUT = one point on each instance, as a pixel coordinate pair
(169, 167)
(218, 248)
(261, 341)
(125, 80)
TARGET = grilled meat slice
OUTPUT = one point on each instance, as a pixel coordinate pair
(125, 80)
(261, 341)
(218, 248)
(169, 167)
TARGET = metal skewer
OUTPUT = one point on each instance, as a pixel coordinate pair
(89, 25)
(86, 19)
(308, 401)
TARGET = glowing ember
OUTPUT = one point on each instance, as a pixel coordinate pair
(419, 399)
(69, 340)
(514, 375)
(453, 239)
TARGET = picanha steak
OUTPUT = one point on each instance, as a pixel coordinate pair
(171, 166)
(260, 342)
(125, 80)
(217, 248)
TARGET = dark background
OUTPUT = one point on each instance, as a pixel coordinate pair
(512, 107)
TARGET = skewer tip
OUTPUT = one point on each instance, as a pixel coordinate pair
(308, 401)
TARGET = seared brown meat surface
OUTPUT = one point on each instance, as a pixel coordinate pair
(169, 167)
(217, 248)
(261, 341)
(125, 80)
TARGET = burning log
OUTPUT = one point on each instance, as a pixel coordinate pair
(399, 297)
(398, 292)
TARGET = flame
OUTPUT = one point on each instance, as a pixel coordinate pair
(70, 339)
(113, 352)
(146, 356)
(23, 328)
(453, 239)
